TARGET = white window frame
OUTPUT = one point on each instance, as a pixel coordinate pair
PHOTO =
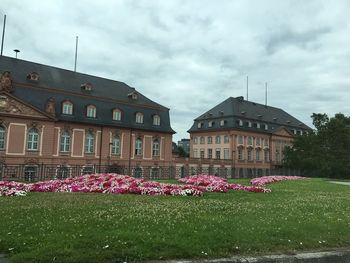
(65, 140)
(91, 111)
(67, 108)
(226, 153)
(89, 143)
(138, 146)
(218, 139)
(117, 115)
(115, 145)
(155, 148)
(139, 117)
(156, 120)
(33, 139)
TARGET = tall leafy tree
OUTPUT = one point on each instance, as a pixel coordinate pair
(326, 150)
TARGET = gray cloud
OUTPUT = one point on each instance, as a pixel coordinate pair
(191, 55)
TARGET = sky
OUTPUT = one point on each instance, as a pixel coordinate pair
(190, 55)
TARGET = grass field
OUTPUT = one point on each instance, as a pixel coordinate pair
(74, 227)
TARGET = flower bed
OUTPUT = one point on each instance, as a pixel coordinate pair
(124, 184)
(261, 181)
(218, 184)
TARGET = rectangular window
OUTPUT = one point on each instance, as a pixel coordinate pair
(226, 153)
(267, 156)
(250, 154)
(266, 142)
(117, 116)
(249, 124)
(210, 140)
(240, 154)
(139, 118)
(258, 125)
(240, 139)
(195, 153)
(202, 153)
(91, 112)
(240, 123)
(250, 140)
(201, 140)
(218, 139)
(258, 141)
(257, 155)
(226, 139)
(195, 140)
(67, 109)
(222, 123)
(210, 153)
(217, 153)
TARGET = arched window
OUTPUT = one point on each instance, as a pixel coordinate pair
(65, 142)
(91, 111)
(139, 117)
(116, 145)
(156, 120)
(67, 107)
(33, 139)
(2, 138)
(155, 148)
(117, 115)
(201, 140)
(89, 143)
(138, 147)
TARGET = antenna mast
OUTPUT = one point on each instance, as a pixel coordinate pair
(247, 87)
(76, 53)
(3, 35)
(265, 93)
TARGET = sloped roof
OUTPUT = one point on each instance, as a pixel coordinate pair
(106, 95)
(232, 110)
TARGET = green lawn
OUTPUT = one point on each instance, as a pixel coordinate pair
(75, 227)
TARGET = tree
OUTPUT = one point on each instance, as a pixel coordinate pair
(182, 152)
(326, 150)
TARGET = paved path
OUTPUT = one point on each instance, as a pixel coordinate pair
(336, 256)
(338, 182)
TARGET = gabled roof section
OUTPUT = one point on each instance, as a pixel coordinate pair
(36, 84)
(233, 110)
(62, 80)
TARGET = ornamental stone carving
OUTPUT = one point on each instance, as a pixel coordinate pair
(50, 106)
(6, 82)
(9, 105)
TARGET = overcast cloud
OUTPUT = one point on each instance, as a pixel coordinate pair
(191, 55)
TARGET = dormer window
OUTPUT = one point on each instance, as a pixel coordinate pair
(288, 122)
(133, 95)
(258, 125)
(86, 86)
(259, 116)
(222, 122)
(210, 124)
(156, 120)
(91, 111)
(33, 76)
(240, 123)
(242, 112)
(266, 127)
(249, 124)
(199, 125)
(139, 117)
(117, 115)
(274, 119)
(67, 108)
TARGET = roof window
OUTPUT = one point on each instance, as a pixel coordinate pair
(86, 86)
(33, 76)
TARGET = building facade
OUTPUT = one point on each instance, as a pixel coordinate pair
(66, 119)
(246, 138)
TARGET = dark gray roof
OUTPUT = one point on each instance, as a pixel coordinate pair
(232, 110)
(106, 95)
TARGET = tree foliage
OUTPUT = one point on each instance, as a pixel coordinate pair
(325, 150)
